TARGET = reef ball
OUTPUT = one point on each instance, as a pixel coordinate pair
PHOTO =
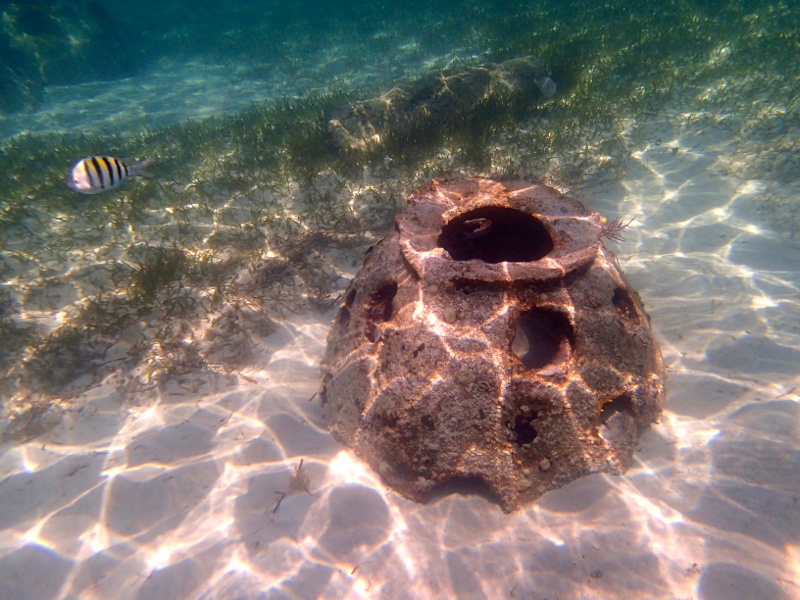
(491, 343)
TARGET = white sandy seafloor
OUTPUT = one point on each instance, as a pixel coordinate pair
(173, 498)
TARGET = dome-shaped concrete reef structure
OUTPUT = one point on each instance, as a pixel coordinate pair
(491, 344)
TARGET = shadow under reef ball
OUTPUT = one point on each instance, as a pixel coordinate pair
(492, 345)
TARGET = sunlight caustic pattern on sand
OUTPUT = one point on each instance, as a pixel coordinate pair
(176, 497)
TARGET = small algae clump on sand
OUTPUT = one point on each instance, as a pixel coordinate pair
(299, 483)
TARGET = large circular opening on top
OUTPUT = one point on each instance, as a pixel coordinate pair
(495, 234)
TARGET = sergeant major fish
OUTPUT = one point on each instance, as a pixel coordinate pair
(95, 174)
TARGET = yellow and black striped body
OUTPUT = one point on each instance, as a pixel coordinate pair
(96, 174)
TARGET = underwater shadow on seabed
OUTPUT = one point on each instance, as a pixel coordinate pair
(198, 494)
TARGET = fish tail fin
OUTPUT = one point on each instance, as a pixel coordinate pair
(138, 169)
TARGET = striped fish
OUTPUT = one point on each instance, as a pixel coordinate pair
(95, 174)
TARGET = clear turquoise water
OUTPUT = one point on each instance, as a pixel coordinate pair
(162, 340)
